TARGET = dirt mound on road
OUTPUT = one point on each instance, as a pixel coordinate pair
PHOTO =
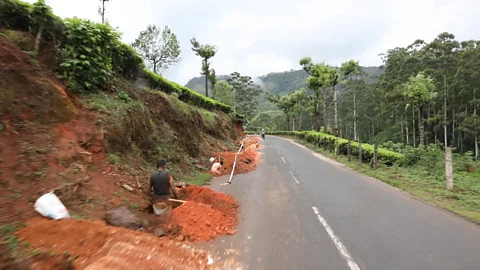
(247, 159)
(220, 201)
(206, 215)
(98, 246)
(201, 222)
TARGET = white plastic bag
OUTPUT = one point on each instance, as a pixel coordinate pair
(50, 206)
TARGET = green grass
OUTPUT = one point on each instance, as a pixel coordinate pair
(423, 183)
(133, 206)
(113, 159)
(8, 237)
(197, 178)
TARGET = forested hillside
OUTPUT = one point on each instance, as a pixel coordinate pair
(427, 93)
(280, 83)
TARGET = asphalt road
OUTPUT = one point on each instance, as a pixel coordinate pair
(299, 211)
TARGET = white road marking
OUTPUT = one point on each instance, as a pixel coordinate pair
(279, 152)
(284, 160)
(294, 178)
(341, 248)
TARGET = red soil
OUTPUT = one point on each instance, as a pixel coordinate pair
(220, 201)
(201, 222)
(206, 215)
(247, 158)
(97, 246)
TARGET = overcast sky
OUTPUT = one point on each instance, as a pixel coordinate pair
(262, 36)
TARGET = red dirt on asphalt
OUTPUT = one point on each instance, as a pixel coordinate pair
(220, 201)
(206, 215)
(201, 222)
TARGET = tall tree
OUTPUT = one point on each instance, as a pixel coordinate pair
(245, 94)
(316, 82)
(441, 55)
(206, 52)
(420, 90)
(352, 70)
(224, 92)
(159, 47)
(41, 13)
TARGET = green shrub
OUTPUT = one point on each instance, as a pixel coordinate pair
(15, 15)
(18, 15)
(185, 94)
(126, 61)
(320, 139)
(87, 57)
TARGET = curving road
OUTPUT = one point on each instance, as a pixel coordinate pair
(301, 211)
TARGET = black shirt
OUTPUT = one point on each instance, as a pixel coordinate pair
(161, 183)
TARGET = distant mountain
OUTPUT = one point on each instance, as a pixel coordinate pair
(280, 83)
(198, 83)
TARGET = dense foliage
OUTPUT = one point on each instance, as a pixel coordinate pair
(327, 141)
(88, 54)
(427, 94)
(245, 94)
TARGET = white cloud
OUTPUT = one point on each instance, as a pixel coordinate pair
(256, 37)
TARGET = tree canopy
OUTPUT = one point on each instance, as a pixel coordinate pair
(158, 47)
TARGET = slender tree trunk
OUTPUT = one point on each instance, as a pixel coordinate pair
(403, 135)
(288, 122)
(324, 101)
(420, 127)
(103, 11)
(335, 112)
(475, 113)
(299, 116)
(453, 124)
(154, 66)
(293, 123)
(38, 39)
(355, 116)
(413, 126)
(445, 140)
(206, 79)
(317, 112)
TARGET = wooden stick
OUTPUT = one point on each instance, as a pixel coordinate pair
(138, 182)
(182, 201)
(175, 200)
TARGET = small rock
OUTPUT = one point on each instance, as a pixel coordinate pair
(122, 217)
(159, 232)
(180, 238)
(231, 232)
(86, 156)
(127, 187)
(145, 223)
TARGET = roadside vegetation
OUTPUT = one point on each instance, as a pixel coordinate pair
(423, 103)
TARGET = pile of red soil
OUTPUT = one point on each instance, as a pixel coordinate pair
(206, 215)
(220, 201)
(98, 246)
(247, 159)
(201, 222)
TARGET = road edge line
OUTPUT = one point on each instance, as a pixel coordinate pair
(341, 248)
